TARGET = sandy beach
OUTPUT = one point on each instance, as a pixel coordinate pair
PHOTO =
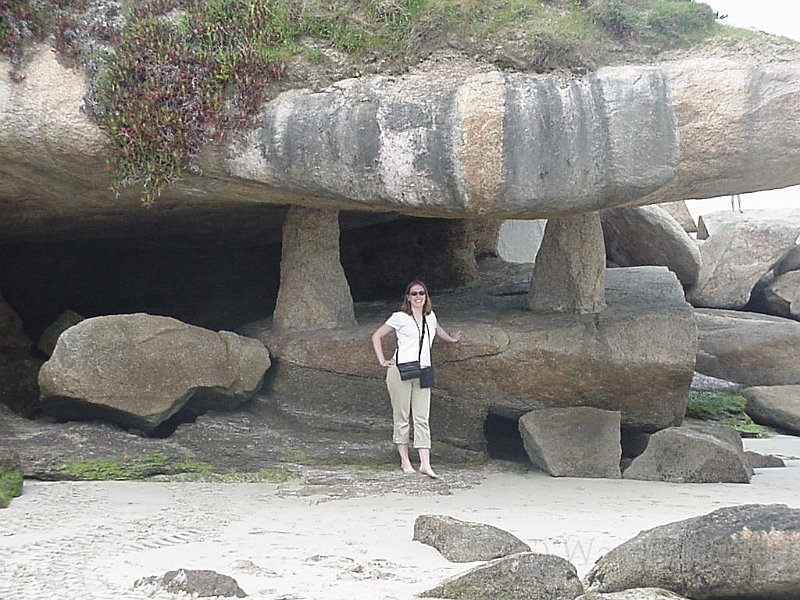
(310, 540)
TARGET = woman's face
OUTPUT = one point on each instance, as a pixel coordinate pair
(416, 295)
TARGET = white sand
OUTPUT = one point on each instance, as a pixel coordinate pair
(93, 540)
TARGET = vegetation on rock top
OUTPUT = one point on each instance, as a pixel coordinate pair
(724, 408)
(169, 76)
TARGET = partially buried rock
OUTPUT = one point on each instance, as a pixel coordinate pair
(635, 594)
(749, 551)
(702, 453)
(198, 583)
(525, 575)
(579, 441)
(763, 461)
(776, 406)
(460, 541)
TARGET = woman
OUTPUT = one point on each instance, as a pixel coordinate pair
(415, 325)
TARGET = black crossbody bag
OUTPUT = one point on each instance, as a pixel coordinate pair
(413, 369)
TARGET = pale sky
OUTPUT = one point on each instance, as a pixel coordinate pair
(778, 17)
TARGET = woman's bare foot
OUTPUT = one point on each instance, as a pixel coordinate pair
(425, 463)
(405, 461)
(429, 472)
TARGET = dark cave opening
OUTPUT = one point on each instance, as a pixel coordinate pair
(219, 282)
(503, 439)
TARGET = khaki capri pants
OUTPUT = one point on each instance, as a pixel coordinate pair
(409, 400)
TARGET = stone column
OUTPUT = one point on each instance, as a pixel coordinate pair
(314, 293)
(569, 272)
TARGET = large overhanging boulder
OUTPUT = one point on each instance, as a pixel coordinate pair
(491, 143)
(475, 143)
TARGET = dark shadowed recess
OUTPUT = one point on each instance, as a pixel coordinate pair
(217, 278)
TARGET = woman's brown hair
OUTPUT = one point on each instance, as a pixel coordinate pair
(426, 308)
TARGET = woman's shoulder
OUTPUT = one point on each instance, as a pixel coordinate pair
(399, 317)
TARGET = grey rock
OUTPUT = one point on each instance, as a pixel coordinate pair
(11, 332)
(788, 262)
(776, 406)
(138, 370)
(649, 235)
(710, 151)
(742, 249)
(47, 342)
(481, 130)
(782, 295)
(748, 348)
(197, 583)
(707, 383)
(636, 357)
(18, 380)
(18, 367)
(461, 541)
(634, 594)
(692, 454)
(680, 212)
(477, 130)
(333, 404)
(524, 575)
(717, 556)
(573, 442)
(313, 291)
(763, 461)
(569, 272)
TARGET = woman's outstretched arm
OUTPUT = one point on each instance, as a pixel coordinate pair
(446, 336)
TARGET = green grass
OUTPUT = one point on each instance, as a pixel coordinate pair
(725, 408)
(10, 486)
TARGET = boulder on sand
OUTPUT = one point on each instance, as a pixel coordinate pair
(748, 551)
(138, 370)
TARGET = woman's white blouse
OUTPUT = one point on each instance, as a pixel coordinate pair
(408, 333)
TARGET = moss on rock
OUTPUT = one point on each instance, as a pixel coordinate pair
(10, 476)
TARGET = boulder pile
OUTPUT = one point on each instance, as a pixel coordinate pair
(750, 551)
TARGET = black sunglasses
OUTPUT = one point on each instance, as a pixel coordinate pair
(416, 293)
